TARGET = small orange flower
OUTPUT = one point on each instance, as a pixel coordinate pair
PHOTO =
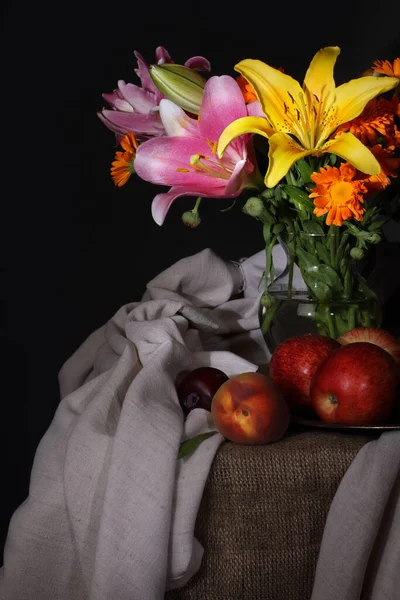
(387, 68)
(389, 168)
(248, 92)
(377, 118)
(122, 167)
(338, 194)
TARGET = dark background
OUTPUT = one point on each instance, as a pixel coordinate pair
(75, 247)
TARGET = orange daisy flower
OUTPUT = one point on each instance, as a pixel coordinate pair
(387, 68)
(338, 194)
(248, 92)
(122, 167)
(389, 168)
(377, 118)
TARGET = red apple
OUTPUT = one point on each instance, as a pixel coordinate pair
(293, 364)
(356, 385)
(373, 335)
(249, 409)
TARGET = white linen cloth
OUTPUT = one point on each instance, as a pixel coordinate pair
(111, 512)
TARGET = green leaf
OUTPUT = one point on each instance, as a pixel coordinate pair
(313, 227)
(189, 446)
(304, 169)
(307, 262)
(299, 196)
(330, 277)
(318, 289)
(323, 253)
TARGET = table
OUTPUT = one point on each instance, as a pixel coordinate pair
(262, 516)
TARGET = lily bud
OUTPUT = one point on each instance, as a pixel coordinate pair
(183, 86)
(254, 207)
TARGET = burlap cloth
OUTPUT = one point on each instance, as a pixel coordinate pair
(262, 516)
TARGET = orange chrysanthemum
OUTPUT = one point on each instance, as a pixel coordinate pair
(387, 68)
(389, 168)
(338, 194)
(377, 118)
(248, 92)
(122, 167)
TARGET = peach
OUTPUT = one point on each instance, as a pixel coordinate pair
(249, 409)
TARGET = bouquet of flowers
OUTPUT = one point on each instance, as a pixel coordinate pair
(315, 163)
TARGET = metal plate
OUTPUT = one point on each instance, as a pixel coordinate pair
(341, 427)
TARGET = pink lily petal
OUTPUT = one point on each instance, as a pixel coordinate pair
(176, 122)
(162, 56)
(235, 183)
(162, 202)
(254, 109)
(198, 63)
(112, 98)
(166, 161)
(141, 100)
(144, 75)
(140, 125)
(222, 103)
(122, 106)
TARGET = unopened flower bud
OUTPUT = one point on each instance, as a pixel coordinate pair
(181, 85)
(374, 238)
(254, 207)
(357, 253)
(268, 193)
(191, 218)
(266, 300)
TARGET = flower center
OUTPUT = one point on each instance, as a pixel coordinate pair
(342, 192)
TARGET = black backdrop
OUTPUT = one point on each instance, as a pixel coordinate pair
(75, 247)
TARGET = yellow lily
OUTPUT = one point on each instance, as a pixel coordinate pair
(300, 121)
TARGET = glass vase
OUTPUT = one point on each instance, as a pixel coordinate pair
(320, 292)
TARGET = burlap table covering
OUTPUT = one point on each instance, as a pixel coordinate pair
(262, 516)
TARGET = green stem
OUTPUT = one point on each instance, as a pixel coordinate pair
(332, 244)
(330, 323)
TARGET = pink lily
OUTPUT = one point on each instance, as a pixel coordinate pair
(187, 161)
(135, 108)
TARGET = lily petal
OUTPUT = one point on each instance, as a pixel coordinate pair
(351, 149)
(351, 97)
(175, 120)
(241, 126)
(283, 153)
(222, 103)
(162, 202)
(166, 161)
(140, 125)
(198, 63)
(319, 77)
(274, 90)
(141, 100)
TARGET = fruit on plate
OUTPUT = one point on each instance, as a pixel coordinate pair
(356, 385)
(196, 388)
(249, 409)
(373, 335)
(292, 365)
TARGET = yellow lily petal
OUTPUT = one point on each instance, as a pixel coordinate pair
(351, 149)
(279, 94)
(241, 126)
(319, 77)
(351, 97)
(283, 153)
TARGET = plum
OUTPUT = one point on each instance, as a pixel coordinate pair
(196, 388)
